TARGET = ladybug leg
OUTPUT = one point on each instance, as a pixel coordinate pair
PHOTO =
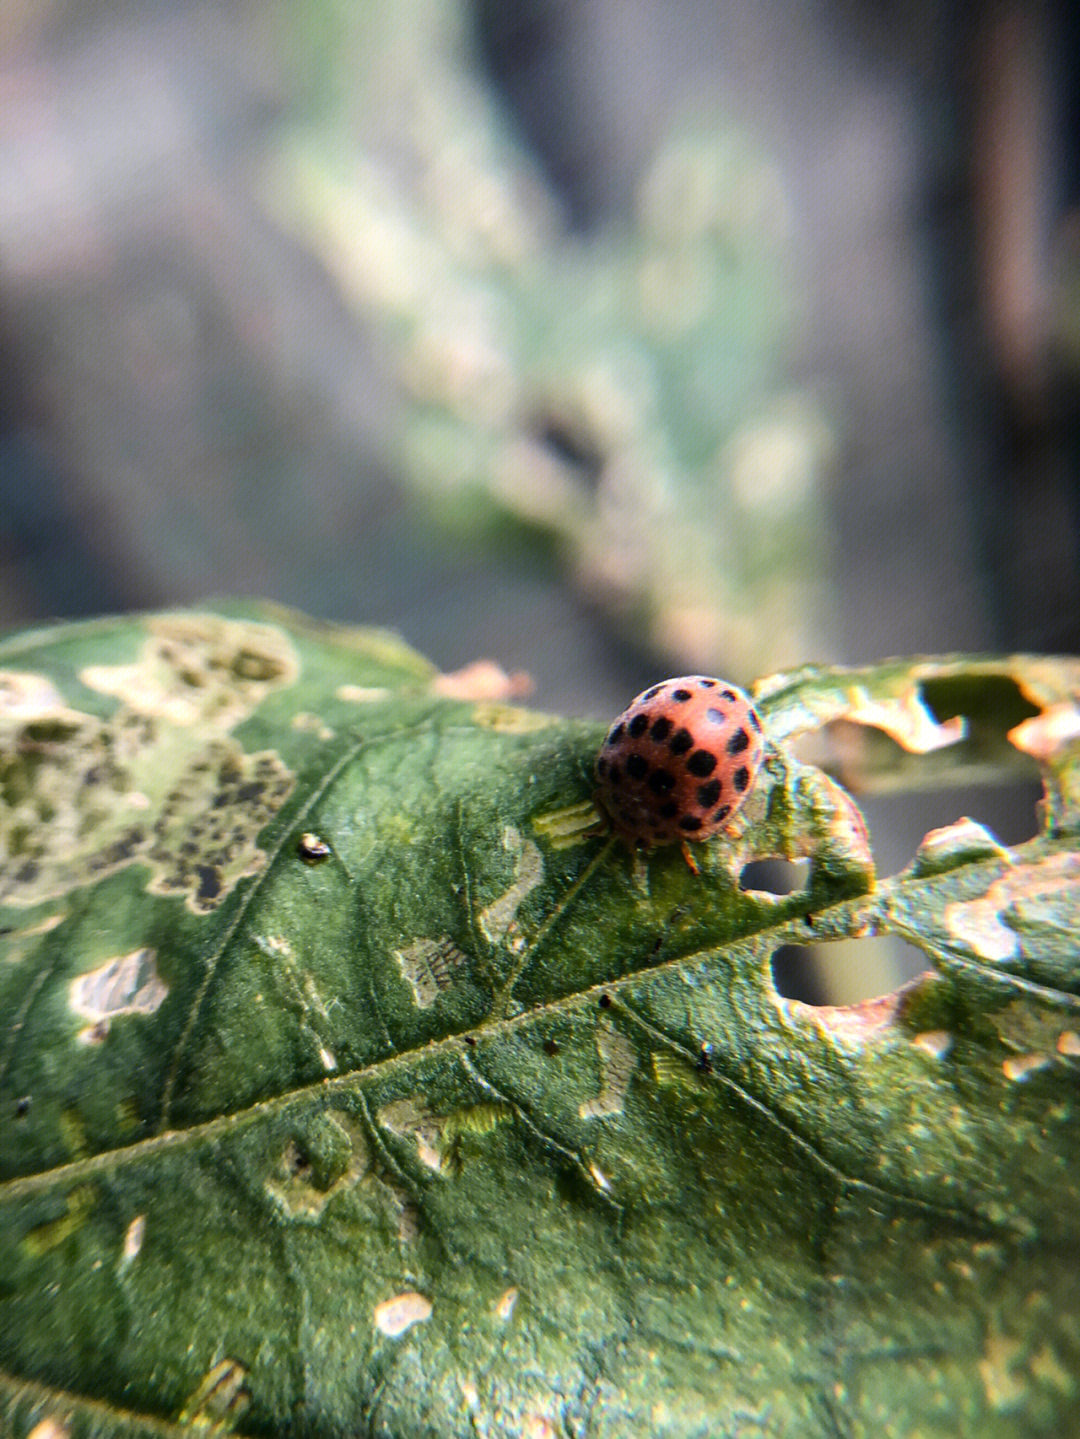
(691, 862)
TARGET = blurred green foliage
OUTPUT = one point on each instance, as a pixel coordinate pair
(626, 391)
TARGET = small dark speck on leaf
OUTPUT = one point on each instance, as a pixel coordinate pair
(705, 1058)
(605, 1001)
(22, 1106)
(550, 1046)
(470, 1040)
(312, 849)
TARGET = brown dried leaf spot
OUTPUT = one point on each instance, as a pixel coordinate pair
(482, 680)
(1045, 735)
(855, 1024)
(906, 719)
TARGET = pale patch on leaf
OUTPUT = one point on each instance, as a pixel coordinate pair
(934, 1042)
(25, 696)
(482, 680)
(331, 1158)
(412, 1119)
(599, 1178)
(1021, 1065)
(618, 1060)
(44, 1238)
(394, 1316)
(303, 993)
(437, 1136)
(850, 1025)
(980, 924)
(507, 719)
(904, 718)
(133, 1239)
(569, 825)
(362, 694)
(1028, 1032)
(1045, 735)
(306, 723)
(127, 984)
(431, 967)
(498, 917)
(1048, 1369)
(673, 1072)
(204, 839)
(220, 1398)
(1002, 1356)
(160, 781)
(20, 940)
(538, 1426)
(200, 669)
(49, 1429)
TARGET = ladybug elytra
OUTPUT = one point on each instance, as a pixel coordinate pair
(679, 761)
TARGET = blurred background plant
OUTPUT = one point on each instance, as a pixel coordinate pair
(609, 338)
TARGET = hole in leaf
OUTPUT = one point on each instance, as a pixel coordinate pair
(845, 972)
(982, 776)
(775, 876)
(991, 704)
(899, 823)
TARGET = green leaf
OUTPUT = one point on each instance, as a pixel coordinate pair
(353, 1082)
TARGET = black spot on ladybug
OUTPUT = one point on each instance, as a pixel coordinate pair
(605, 1001)
(551, 1046)
(740, 779)
(651, 694)
(614, 775)
(755, 721)
(739, 741)
(669, 810)
(636, 766)
(708, 794)
(690, 822)
(722, 813)
(601, 767)
(661, 728)
(681, 696)
(661, 781)
(707, 684)
(728, 695)
(638, 725)
(681, 741)
(616, 734)
(701, 763)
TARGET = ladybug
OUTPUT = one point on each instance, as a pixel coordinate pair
(679, 761)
